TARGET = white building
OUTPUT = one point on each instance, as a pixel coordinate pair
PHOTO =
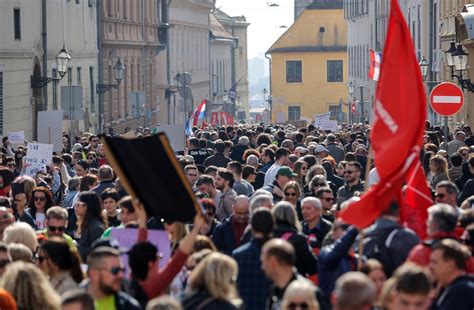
(72, 23)
(189, 50)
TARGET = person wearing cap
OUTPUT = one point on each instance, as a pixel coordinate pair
(320, 151)
(283, 176)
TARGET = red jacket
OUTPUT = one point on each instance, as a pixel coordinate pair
(421, 253)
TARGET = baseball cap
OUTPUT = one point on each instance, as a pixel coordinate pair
(286, 171)
(320, 148)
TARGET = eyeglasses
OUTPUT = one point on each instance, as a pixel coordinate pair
(349, 172)
(56, 228)
(290, 194)
(39, 198)
(4, 262)
(95, 141)
(11, 165)
(91, 158)
(439, 195)
(304, 168)
(319, 184)
(328, 199)
(295, 305)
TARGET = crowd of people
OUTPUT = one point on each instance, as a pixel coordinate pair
(270, 235)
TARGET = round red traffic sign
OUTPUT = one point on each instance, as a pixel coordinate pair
(446, 99)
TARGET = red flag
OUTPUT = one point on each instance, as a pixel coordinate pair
(417, 200)
(399, 120)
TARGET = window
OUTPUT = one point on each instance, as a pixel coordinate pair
(17, 23)
(54, 73)
(1, 101)
(91, 89)
(293, 71)
(294, 113)
(69, 76)
(79, 76)
(334, 68)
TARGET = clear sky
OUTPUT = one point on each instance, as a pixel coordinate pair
(264, 21)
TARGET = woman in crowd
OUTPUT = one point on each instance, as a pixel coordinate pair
(88, 182)
(110, 199)
(62, 265)
(301, 168)
(91, 159)
(41, 201)
(72, 191)
(177, 231)
(29, 287)
(374, 269)
(6, 178)
(300, 294)
(316, 183)
(341, 167)
(292, 192)
(23, 233)
(211, 285)
(91, 224)
(438, 169)
(288, 227)
(82, 168)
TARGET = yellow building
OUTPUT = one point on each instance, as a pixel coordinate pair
(309, 64)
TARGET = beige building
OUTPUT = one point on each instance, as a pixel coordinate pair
(237, 27)
(189, 52)
(132, 32)
(72, 23)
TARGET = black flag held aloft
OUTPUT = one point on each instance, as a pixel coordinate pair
(149, 171)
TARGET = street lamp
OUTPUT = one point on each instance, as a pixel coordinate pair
(62, 60)
(350, 86)
(459, 62)
(119, 70)
(424, 68)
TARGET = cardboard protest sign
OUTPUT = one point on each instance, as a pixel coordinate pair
(37, 157)
(328, 125)
(319, 118)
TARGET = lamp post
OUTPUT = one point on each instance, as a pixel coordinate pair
(62, 61)
(350, 88)
(457, 59)
(424, 68)
(119, 70)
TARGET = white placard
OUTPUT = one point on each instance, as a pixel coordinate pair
(328, 125)
(318, 118)
(50, 125)
(16, 137)
(37, 157)
(280, 117)
(175, 134)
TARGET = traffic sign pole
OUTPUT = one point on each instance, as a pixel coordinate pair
(446, 131)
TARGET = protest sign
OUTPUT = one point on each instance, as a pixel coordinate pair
(37, 157)
(328, 125)
(16, 137)
(176, 136)
(318, 118)
(50, 128)
(127, 238)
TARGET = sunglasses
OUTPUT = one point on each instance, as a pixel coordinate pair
(329, 199)
(90, 158)
(95, 141)
(464, 154)
(294, 305)
(349, 172)
(290, 194)
(319, 184)
(115, 270)
(440, 196)
(39, 198)
(56, 228)
(4, 262)
(11, 165)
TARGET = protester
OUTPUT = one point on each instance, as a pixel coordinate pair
(224, 182)
(300, 295)
(354, 291)
(412, 287)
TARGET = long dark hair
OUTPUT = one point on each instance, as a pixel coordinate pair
(7, 177)
(63, 257)
(93, 210)
(49, 200)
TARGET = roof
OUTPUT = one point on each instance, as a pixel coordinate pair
(217, 29)
(303, 49)
(225, 18)
(325, 5)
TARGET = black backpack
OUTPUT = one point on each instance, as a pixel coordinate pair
(378, 247)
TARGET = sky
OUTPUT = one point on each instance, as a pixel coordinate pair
(264, 21)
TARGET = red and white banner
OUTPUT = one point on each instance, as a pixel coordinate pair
(222, 118)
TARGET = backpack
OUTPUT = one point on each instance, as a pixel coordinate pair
(378, 247)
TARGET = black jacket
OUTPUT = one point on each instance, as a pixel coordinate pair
(202, 300)
(238, 153)
(93, 231)
(219, 160)
(458, 295)
(124, 301)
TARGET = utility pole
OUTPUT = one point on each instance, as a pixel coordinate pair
(362, 112)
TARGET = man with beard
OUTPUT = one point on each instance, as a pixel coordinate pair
(224, 182)
(106, 273)
(353, 182)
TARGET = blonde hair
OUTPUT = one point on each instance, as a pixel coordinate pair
(20, 252)
(441, 163)
(180, 231)
(217, 274)
(23, 233)
(30, 287)
(293, 185)
(301, 288)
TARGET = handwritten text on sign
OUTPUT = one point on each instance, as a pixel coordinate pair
(37, 157)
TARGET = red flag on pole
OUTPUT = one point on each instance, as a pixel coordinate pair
(399, 120)
(417, 200)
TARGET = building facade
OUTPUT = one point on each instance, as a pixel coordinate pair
(308, 74)
(131, 32)
(189, 52)
(237, 27)
(68, 23)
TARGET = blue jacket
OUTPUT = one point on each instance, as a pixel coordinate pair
(458, 295)
(224, 238)
(251, 281)
(334, 261)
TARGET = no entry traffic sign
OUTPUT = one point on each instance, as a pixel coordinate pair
(446, 99)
